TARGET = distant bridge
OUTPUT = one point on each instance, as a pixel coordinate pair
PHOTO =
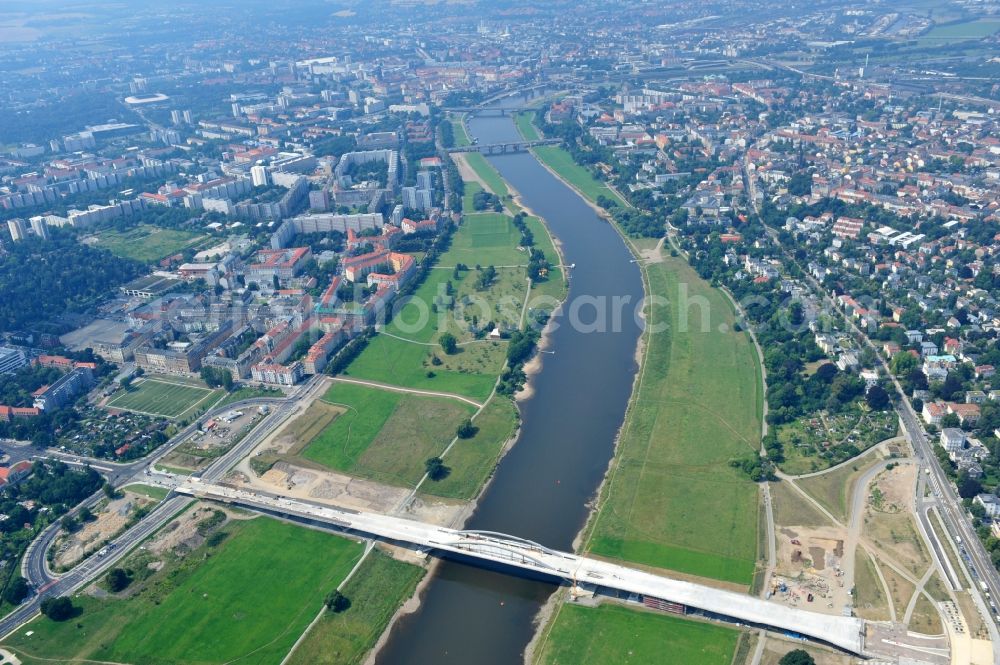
(492, 110)
(847, 633)
(503, 148)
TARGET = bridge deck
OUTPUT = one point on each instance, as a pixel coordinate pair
(844, 632)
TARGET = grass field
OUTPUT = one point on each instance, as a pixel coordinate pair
(163, 397)
(871, 602)
(461, 136)
(832, 490)
(615, 634)
(385, 435)
(249, 393)
(154, 492)
(472, 460)
(672, 500)
(525, 126)
(562, 163)
(488, 238)
(957, 32)
(247, 599)
(145, 243)
(489, 175)
(376, 591)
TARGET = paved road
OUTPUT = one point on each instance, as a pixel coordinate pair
(93, 567)
(34, 564)
(957, 524)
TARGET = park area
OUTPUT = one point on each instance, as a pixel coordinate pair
(460, 302)
(671, 499)
(168, 397)
(197, 597)
(146, 243)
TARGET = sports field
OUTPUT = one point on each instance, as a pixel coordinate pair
(672, 501)
(615, 634)
(487, 238)
(385, 435)
(163, 397)
(145, 243)
(560, 161)
(246, 600)
(376, 591)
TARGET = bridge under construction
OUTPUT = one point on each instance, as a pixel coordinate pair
(846, 633)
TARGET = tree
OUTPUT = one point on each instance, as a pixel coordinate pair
(118, 579)
(448, 343)
(16, 591)
(951, 385)
(950, 420)
(797, 657)
(878, 398)
(903, 362)
(337, 602)
(826, 372)
(466, 430)
(968, 487)
(436, 470)
(58, 609)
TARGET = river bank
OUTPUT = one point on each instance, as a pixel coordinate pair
(648, 259)
(569, 422)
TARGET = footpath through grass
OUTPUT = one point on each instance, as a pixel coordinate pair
(247, 599)
(458, 128)
(385, 435)
(672, 501)
(478, 163)
(376, 591)
(615, 634)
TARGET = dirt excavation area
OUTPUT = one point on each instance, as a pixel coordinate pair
(810, 571)
(110, 518)
(870, 562)
(345, 491)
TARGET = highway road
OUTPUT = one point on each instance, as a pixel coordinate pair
(34, 565)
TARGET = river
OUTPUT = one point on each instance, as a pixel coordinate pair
(540, 490)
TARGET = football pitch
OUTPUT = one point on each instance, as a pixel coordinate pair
(161, 397)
